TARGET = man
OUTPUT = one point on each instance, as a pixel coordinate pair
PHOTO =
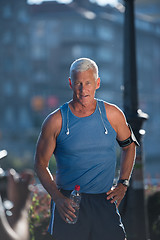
(82, 135)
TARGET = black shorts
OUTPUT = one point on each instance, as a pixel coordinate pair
(98, 219)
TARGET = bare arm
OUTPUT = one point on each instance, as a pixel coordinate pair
(128, 153)
(118, 122)
(127, 161)
(44, 150)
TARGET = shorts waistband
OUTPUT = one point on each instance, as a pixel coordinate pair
(96, 195)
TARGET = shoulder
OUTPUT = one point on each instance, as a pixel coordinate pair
(114, 112)
(116, 118)
(53, 123)
(118, 121)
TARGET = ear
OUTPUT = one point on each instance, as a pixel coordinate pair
(98, 83)
(70, 83)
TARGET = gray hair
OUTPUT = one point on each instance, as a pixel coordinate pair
(83, 64)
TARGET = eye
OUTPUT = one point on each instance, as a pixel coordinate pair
(87, 83)
(77, 83)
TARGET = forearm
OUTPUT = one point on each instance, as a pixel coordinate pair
(127, 161)
(47, 181)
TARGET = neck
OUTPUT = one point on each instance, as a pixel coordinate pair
(80, 109)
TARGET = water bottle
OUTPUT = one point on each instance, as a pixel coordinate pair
(75, 196)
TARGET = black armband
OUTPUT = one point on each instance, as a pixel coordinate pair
(129, 140)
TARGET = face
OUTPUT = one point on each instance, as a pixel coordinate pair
(84, 86)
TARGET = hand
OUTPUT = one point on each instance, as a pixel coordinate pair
(64, 206)
(116, 194)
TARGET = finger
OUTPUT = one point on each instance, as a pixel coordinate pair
(114, 199)
(63, 216)
(66, 209)
(68, 218)
(71, 214)
(111, 195)
(109, 192)
(69, 204)
(67, 215)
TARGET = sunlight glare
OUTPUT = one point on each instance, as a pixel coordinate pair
(100, 2)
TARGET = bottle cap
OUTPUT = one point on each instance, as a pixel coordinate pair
(77, 187)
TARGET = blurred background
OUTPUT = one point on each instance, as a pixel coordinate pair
(37, 45)
(38, 42)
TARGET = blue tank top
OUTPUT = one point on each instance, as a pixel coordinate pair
(86, 156)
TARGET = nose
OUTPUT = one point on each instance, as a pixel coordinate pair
(82, 87)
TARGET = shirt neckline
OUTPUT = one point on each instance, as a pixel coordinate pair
(85, 116)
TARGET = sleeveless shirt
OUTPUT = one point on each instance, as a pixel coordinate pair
(86, 156)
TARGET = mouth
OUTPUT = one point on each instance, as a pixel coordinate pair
(84, 96)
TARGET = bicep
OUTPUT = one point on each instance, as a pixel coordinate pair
(45, 145)
(47, 139)
(123, 131)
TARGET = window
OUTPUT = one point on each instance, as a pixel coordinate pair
(38, 52)
(106, 76)
(158, 29)
(144, 25)
(40, 76)
(23, 89)
(8, 64)
(52, 33)
(81, 29)
(39, 41)
(24, 118)
(78, 29)
(87, 51)
(106, 95)
(82, 51)
(104, 54)
(7, 12)
(88, 30)
(8, 88)
(76, 51)
(21, 41)
(9, 116)
(22, 16)
(7, 37)
(39, 28)
(105, 33)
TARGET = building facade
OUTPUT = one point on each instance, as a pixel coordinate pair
(38, 44)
